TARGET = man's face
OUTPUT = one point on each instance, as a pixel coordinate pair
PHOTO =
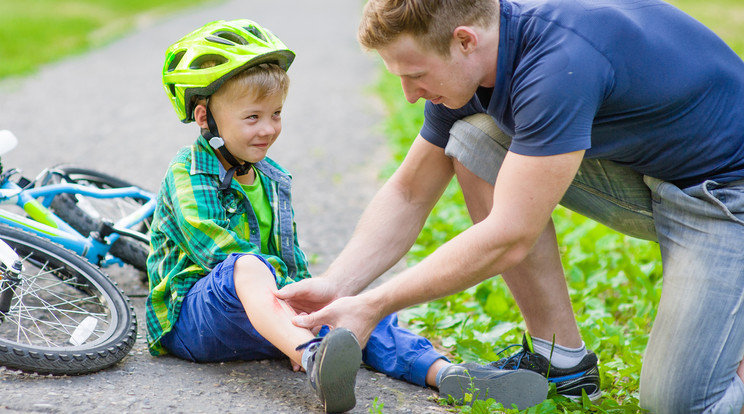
(426, 74)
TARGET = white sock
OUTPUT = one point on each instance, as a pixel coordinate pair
(562, 357)
(439, 374)
(305, 356)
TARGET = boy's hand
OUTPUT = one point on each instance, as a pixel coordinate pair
(308, 295)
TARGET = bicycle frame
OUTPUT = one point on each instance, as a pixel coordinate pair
(43, 222)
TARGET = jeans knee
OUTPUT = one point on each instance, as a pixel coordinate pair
(662, 394)
(478, 144)
(664, 397)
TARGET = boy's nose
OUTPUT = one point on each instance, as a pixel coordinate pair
(269, 128)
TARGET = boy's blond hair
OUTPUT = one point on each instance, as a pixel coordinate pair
(266, 79)
(430, 22)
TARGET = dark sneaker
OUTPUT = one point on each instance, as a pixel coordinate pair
(332, 369)
(569, 382)
(521, 387)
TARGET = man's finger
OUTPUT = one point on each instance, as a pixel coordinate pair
(308, 321)
(302, 320)
(284, 293)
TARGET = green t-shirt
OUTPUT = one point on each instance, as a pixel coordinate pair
(262, 208)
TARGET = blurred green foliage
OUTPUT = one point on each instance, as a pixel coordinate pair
(35, 32)
(614, 280)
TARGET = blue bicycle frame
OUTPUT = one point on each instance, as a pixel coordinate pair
(43, 222)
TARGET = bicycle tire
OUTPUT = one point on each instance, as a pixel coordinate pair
(66, 317)
(85, 215)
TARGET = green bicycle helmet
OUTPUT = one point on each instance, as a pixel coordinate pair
(229, 47)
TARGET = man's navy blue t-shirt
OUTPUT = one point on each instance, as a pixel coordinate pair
(633, 81)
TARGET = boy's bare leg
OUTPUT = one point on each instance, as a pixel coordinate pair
(431, 374)
(271, 317)
(538, 283)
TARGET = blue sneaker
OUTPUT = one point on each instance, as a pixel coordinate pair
(521, 387)
(569, 382)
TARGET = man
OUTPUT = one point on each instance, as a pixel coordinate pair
(627, 112)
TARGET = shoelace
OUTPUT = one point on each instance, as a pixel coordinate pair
(308, 343)
(514, 361)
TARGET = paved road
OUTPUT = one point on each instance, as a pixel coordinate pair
(106, 110)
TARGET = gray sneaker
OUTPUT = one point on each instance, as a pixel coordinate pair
(522, 387)
(332, 369)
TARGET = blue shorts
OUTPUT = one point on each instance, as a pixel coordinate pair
(213, 327)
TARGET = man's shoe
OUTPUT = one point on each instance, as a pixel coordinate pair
(521, 387)
(332, 369)
(569, 382)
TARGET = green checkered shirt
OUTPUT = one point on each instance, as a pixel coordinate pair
(196, 226)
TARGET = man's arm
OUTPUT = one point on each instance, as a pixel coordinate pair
(386, 231)
(394, 218)
(526, 191)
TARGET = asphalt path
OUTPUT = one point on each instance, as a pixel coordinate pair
(106, 110)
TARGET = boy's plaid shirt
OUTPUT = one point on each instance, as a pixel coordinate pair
(196, 226)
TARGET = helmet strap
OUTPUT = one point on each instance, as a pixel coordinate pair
(217, 143)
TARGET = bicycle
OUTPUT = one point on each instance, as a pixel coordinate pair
(59, 313)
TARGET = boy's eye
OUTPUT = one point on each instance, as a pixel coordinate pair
(252, 117)
(277, 113)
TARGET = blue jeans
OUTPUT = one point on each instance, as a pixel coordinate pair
(212, 326)
(697, 340)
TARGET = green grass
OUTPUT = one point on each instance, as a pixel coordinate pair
(614, 280)
(36, 32)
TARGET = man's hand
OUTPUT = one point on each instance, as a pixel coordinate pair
(352, 312)
(309, 295)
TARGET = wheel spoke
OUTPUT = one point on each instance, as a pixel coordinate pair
(48, 307)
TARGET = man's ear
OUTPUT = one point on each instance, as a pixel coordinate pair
(200, 115)
(466, 38)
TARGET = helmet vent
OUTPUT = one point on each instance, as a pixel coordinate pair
(231, 37)
(176, 60)
(216, 39)
(207, 61)
(255, 32)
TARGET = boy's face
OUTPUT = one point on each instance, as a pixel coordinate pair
(248, 126)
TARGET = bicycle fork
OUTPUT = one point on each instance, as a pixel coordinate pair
(10, 270)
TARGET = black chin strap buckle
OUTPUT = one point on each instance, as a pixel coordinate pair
(225, 184)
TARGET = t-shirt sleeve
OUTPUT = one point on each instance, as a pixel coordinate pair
(556, 93)
(438, 120)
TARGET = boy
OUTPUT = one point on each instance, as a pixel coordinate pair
(223, 236)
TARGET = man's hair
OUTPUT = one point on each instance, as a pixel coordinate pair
(266, 79)
(430, 22)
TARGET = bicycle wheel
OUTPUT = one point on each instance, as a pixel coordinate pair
(85, 214)
(66, 316)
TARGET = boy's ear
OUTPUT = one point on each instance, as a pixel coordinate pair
(200, 116)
